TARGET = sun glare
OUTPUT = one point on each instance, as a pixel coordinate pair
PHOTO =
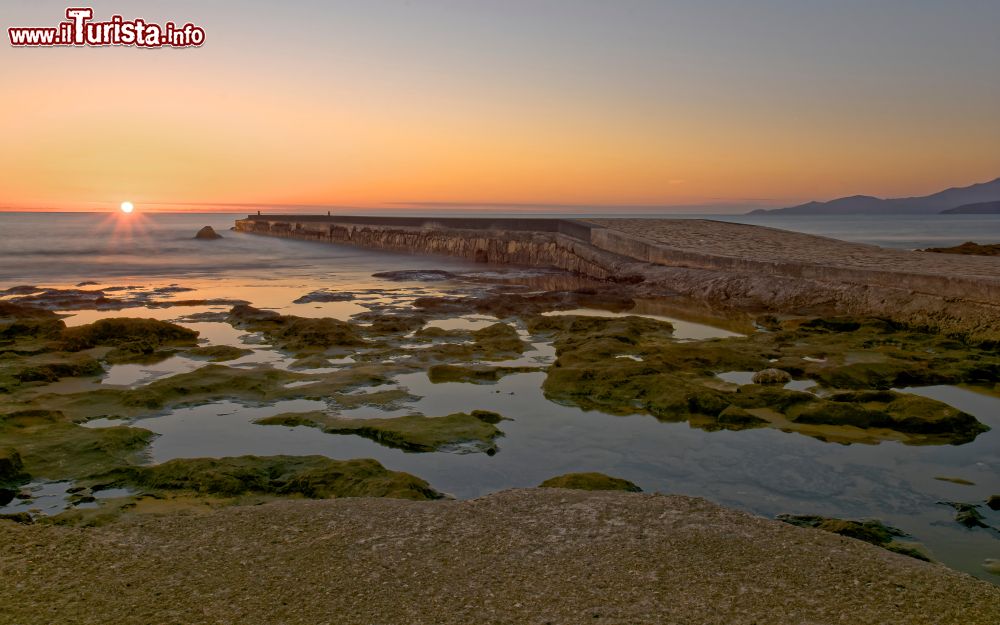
(127, 207)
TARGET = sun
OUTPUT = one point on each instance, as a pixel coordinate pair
(127, 207)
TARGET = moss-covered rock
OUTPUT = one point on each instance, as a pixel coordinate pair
(18, 321)
(52, 448)
(872, 531)
(888, 409)
(475, 374)
(121, 332)
(967, 514)
(498, 340)
(590, 481)
(204, 385)
(475, 431)
(11, 467)
(772, 376)
(308, 476)
(132, 340)
(44, 368)
(677, 380)
(218, 353)
(300, 335)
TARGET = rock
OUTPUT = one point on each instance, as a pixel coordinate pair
(873, 531)
(218, 353)
(475, 431)
(323, 295)
(993, 501)
(967, 514)
(954, 480)
(11, 467)
(415, 275)
(315, 477)
(772, 376)
(590, 481)
(18, 517)
(992, 565)
(208, 234)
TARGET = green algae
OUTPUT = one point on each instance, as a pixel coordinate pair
(218, 353)
(871, 531)
(316, 477)
(414, 433)
(590, 481)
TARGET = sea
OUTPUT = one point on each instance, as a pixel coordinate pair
(764, 471)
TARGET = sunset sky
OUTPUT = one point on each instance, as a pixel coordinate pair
(712, 104)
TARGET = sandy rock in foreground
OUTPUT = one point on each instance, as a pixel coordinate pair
(522, 556)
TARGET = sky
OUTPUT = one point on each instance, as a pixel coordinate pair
(700, 105)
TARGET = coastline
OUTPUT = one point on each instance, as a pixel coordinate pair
(730, 267)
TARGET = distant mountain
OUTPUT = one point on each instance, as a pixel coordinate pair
(980, 208)
(864, 204)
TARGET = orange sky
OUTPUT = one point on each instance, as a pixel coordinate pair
(390, 103)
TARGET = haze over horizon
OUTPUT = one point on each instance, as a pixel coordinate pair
(700, 106)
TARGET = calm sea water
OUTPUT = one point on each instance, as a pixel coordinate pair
(85, 246)
(764, 471)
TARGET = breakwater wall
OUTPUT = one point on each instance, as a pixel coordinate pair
(962, 300)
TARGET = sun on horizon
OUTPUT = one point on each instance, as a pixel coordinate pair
(127, 207)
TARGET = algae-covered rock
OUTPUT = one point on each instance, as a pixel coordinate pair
(772, 376)
(218, 353)
(204, 385)
(475, 374)
(396, 324)
(324, 295)
(300, 335)
(677, 380)
(19, 321)
(44, 368)
(22, 518)
(132, 339)
(475, 431)
(871, 531)
(590, 481)
(11, 467)
(498, 340)
(967, 514)
(315, 361)
(52, 448)
(315, 477)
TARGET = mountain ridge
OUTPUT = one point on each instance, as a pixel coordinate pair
(951, 198)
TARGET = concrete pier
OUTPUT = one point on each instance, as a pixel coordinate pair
(726, 265)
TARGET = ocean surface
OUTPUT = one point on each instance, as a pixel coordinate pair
(765, 471)
(91, 245)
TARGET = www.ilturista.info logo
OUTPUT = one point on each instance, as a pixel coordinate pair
(81, 30)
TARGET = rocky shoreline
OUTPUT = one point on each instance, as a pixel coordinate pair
(522, 556)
